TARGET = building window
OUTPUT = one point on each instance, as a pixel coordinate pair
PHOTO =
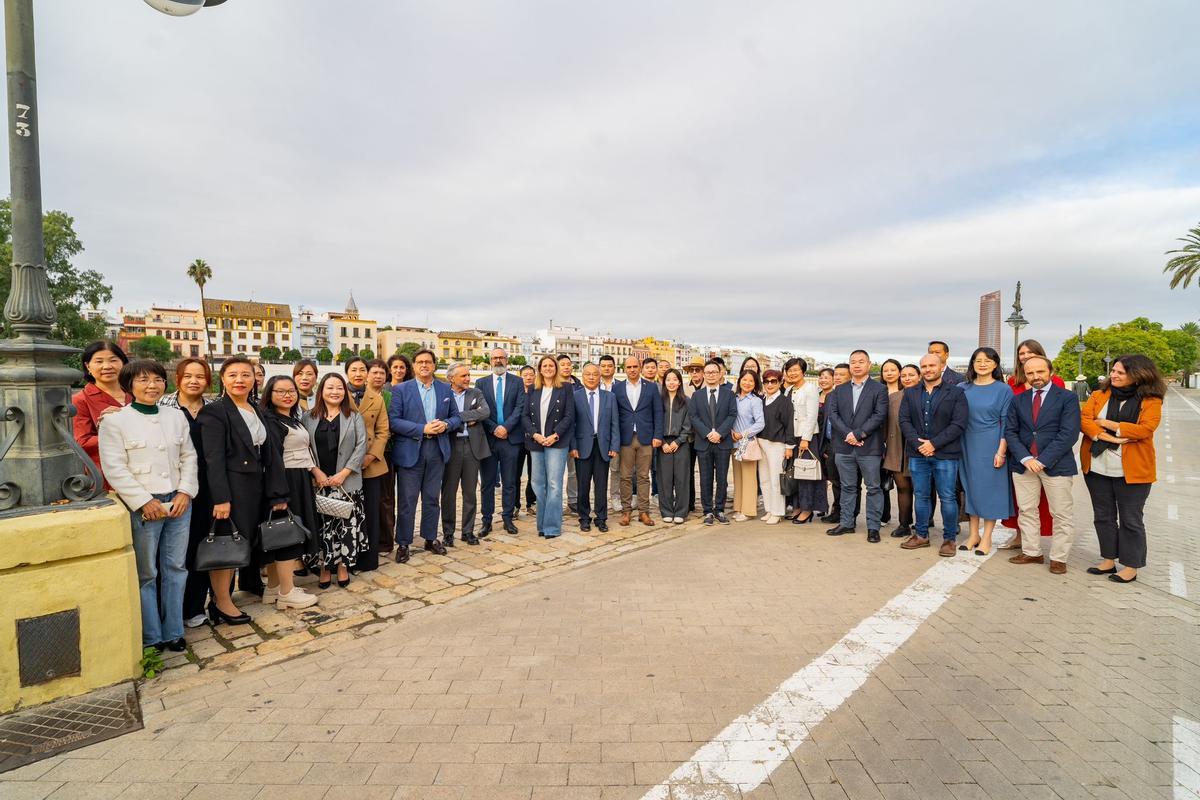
(195, 351)
(343, 333)
(270, 326)
(226, 308)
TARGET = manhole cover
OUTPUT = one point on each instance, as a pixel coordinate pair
(28, 736)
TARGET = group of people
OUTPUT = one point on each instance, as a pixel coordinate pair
(348, 458)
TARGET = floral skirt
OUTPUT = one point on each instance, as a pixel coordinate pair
(341, 540)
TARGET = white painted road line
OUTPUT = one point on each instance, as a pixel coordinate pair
(1172, 511)
(1186, 751)
(1181, 396)
(1178, 580)
(743, 755)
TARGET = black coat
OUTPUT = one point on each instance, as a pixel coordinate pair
(948, 420)
(249, 478)
(779, 421)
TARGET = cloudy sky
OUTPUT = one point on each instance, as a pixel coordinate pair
(785, 175)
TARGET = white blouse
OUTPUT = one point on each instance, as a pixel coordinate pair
(547, 396)
(258, 433)
(296, 452)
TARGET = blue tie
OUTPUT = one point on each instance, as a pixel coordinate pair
(499, 398)
(592, 403)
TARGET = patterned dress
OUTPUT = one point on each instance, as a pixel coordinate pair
(341, 540)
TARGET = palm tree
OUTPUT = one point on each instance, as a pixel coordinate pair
(200, 272)
(1191, 329)
(1186, 263)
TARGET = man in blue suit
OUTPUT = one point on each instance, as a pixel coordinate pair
(422, 417)
(596, 438)
(1042, 428)
(857, 413)
(639, 413)
(713, 412)
(505, 395)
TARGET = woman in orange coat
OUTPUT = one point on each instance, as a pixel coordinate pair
(1117, 456)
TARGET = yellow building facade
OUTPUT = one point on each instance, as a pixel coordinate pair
(245, 327)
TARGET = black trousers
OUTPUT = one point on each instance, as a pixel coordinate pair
(714, 478)
(372, 500)
(691, 479)
(1118, 510)
(526, 463)
(592, 473)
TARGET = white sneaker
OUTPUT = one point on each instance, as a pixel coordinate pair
(678, 520)
(740, 517)
(270, 594)
(195, 622)
(771, 519)
(296, 598)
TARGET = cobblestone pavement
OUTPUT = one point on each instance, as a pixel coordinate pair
(599, 682)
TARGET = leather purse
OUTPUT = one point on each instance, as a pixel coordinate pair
(331, 506)
(222, 551)
(807, 467)
(787, 483)
(748, 450)
(278, 533)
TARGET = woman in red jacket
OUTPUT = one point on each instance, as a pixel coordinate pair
(101, 395)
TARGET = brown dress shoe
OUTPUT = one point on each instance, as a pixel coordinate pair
(1015, 544)
(913, 542)
(1021, 558)
(1058, 567)
(644, 518)
(625, 519)
(948, 549)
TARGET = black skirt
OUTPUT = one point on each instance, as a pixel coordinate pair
(302, 504)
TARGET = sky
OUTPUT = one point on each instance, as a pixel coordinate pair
(801, 176)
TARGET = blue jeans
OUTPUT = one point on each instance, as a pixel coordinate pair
(850, 466)
(160, 548)
(942, 473)
(549, 466)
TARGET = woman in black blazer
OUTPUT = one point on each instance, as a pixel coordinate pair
(777, 440)
(244, 476)
(549, 424)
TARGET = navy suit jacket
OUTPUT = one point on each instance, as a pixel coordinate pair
(952, 378)
(867, 421)
(513, 411)
(560, 419)
(609, 434)
(1056, 431)
(406, 417)
(647, 416)
(949, 416)
(703, 423)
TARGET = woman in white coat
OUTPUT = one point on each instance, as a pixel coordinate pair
(810, 495)
(148, 458)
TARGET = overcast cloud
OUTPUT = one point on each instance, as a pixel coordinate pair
(784, 175)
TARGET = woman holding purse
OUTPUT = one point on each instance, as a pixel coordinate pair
(674, 457)
(339, 444)
(810, 497)
(280, 404)
(777, 442)
(244, 478)
(747, 452)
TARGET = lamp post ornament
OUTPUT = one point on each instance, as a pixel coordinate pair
(1080, 348)
(1017, 322)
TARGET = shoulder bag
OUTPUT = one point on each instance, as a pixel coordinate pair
(221, 551)
(747, 449)
(807, 467)
(787, 483)
(278, 533)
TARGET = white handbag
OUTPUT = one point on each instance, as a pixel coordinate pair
(331, 506)
(807, 467)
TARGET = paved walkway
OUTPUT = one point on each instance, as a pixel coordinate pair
(600, 682)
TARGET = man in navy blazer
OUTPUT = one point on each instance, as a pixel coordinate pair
(596, 442)
(505, 395)
(422, 417)
(639, 411)
(942, 351)
(1042, 428)
(857, 414)
(713, 412)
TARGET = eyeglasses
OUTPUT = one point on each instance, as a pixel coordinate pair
(284, 392)
(149, 379)
(771, 380)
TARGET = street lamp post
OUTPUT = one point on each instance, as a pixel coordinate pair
(1107, 360)
(1080, 348)
(1017, 322)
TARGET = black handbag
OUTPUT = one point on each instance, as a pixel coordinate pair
(787, 483)
(222, 551)
(286, 531)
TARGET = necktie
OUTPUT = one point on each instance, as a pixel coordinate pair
(712, 406)
(1037, 408)
(499, 399)
(592, 405)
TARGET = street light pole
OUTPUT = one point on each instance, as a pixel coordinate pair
(1080, 348)
(1017, 322)
(39, 458)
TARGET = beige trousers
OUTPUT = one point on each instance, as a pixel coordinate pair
(745, 488)
(1029, 487)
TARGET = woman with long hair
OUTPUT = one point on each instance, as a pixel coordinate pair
(101, 394)
(811, 497)
(1118, 461)
(339, 444)
(1027, 348)
(370, 404)
(280, 403)
(983, 467)
(549, 423)
(749, 424)
(751, 363)
(894, 459)
(305, 373)
(525, 463)
(674, 457)
(377, 378)
(889, 376)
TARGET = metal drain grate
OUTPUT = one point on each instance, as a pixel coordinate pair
(28, 736)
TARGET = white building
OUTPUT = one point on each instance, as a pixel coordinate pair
(310, 332)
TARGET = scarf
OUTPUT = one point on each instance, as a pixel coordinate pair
(357, 394)
(1124, 405)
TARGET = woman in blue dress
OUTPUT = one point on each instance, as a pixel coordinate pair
(982, 468)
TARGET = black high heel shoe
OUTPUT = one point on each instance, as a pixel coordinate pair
(797, 521)
(217, 616)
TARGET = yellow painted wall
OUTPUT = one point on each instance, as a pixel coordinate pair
(62, 560)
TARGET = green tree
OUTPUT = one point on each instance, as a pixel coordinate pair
(345, 353)
(324, 355)
(71, 289)
(1136, 336)
(201, 273)
(270, 353)
(517, 361)
(366, 353)
(408, 349)
(154, 347)
(292, 355)
(1186, 349)
(1186, 262)
(477, 361)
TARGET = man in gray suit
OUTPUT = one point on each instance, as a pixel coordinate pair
(468, 447)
